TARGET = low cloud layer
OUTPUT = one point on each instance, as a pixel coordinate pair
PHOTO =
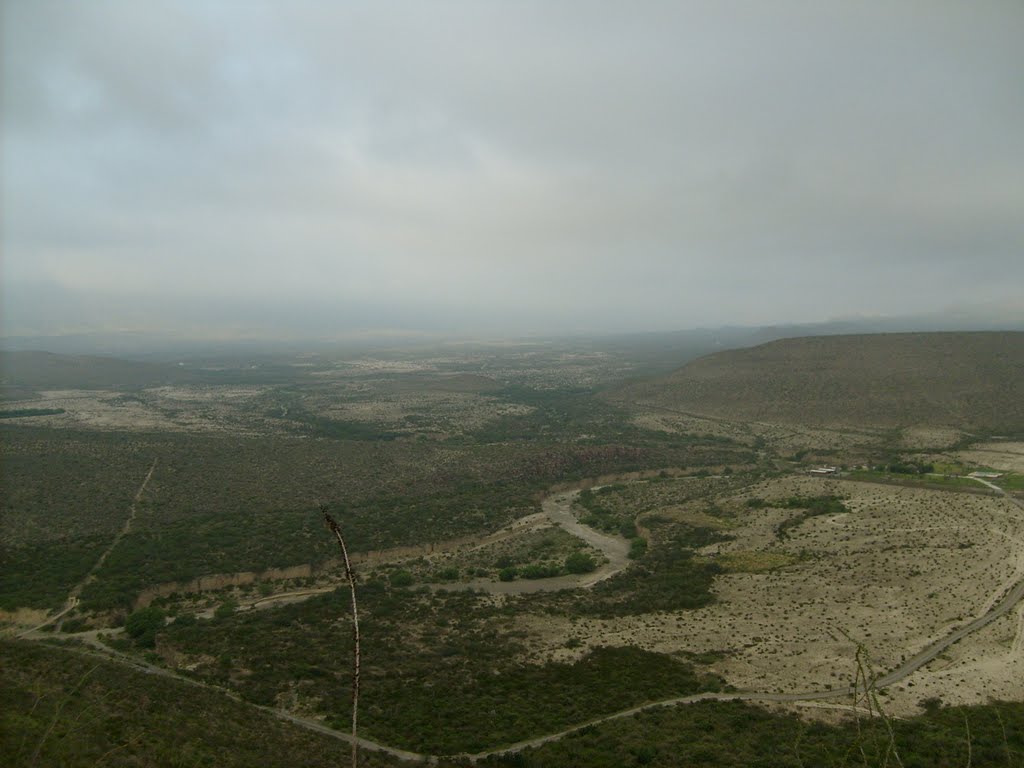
(320, 167)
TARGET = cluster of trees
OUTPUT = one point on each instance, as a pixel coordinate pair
(603, 514)
(40, 575)
(227, 505)
(665, 577)
(58, 707)
(907, 468)
(578, 562)
(740, 735)
(115, 707)
(142, 625)
(812, 506)
(15, 413)
(444, 675)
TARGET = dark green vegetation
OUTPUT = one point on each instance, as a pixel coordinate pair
(45, 370)
(59, 707)
(63, 497)
(77, 710)
(229, 503)
(445, 672)
(944, 482)
(664, 577)
(737, 735)
(611, 520)
(533, 555)
(617, 506)
(967, 380)
(1011, 482)
(406, 453)
(665, 574)
(18, 413)
(580, 562)
(811, 506)
(143, 625)
(41, 575)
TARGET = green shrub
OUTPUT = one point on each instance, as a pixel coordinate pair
(580, 562)
(401, 579)
(143, 625)
(539, 571)
(226, 609)
(637, 548)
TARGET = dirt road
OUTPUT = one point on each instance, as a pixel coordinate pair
(91, 576)
(76, 591)
(558, 508)
(71, 604)
(903, 671)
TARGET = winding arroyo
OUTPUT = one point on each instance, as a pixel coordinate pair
(558, 508)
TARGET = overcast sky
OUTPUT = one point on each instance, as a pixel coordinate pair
(322, 167)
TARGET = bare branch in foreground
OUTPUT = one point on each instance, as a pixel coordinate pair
(336, 530)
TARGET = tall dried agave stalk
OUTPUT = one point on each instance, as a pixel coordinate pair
(865, 696)
(336, 530)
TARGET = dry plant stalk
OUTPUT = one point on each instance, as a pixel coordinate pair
(336, 530)
(864, 691)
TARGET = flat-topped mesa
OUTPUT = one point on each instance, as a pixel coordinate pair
(970, 381)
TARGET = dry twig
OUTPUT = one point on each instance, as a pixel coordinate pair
(336, 530)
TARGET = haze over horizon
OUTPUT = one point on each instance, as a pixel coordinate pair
(305, 168)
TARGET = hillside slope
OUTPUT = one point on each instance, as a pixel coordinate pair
(972, 381)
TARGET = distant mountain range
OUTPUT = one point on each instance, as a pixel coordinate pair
(658, 348)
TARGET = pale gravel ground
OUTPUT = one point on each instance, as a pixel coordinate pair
(1008, 457)
(890, 573)
(239, 410)
(783, 438)
(447, 411)
(218, 409)
(929, 437)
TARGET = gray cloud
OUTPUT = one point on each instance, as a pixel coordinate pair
(527, 166)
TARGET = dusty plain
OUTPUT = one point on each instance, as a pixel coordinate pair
(901, 569)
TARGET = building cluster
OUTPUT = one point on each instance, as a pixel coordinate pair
(825, 471)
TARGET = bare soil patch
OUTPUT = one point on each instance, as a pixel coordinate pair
(785, 438)
(1008, 457)
(197, 408)
(929, 437)
(898, 571)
